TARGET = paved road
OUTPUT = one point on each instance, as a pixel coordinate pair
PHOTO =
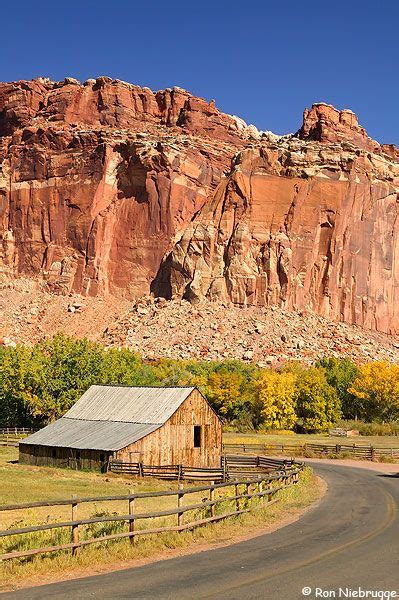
(351, 539)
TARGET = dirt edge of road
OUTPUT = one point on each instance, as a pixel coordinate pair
(168, 554)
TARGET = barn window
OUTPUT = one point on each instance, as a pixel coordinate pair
(197, 436)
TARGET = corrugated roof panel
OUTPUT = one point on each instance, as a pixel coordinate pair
(90, 435)
(129, 404)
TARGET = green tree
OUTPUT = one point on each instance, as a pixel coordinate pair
(340, 374)
(41, 383)
(317, 402)
(66, 368)
(17, 367)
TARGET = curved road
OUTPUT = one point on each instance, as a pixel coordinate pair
(351, 539)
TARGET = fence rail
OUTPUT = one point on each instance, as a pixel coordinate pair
(10, 436)
(365, 452)
(243, 491)
(179, 472)
(232, 466)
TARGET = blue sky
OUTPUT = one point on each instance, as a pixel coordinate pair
(263, 61)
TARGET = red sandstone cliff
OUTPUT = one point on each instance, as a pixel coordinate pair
(106, 187)
(97, 179)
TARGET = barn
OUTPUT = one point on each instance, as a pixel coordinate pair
(152, 425)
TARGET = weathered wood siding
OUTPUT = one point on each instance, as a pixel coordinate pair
(173, 443)
(49, 456)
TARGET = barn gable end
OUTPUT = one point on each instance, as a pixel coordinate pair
(174, 442)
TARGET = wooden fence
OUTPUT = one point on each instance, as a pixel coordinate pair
(242, 465)
(11, 436)
(358, 451)
(232, 466)
(179, 472)
(242, 492)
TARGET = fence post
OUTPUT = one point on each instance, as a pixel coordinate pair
(75, 528)
(141, 469)
(180, 496)
(372, 449)
(247, 491)
(270, 494)
(212, 498)
(131, 512)
(260, 490)
(237, 499)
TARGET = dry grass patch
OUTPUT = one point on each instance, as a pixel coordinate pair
(299, 439)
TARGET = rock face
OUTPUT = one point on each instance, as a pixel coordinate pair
(108, 188)
(301, 226)
(97, 179)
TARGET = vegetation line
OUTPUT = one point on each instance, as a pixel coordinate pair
(40, 383)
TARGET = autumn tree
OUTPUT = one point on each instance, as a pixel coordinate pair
(377, 388)
(276, 396)
(224, 392)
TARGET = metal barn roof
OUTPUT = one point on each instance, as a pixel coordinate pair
(90, 435)
(109, 417)
(129, 404)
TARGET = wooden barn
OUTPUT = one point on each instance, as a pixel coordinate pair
(152, 425)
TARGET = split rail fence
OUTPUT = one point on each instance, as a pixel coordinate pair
(11, 436)
(179, 472)
(209, 510)
(365, 452)
(232, 466)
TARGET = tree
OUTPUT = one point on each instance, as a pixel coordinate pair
(377, 388)
(224, 392)
(65, 369)
(317, 402)
(16, 369)
(340, 374)
(276, 396)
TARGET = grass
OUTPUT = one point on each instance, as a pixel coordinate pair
(25, 483)
(290, 438)
(21, 483)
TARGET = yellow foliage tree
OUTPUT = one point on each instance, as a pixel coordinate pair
(377, 387)
(276, 396)
(225, 393)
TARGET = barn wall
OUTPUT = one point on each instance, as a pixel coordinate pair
(173, 443)
(50, 456)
